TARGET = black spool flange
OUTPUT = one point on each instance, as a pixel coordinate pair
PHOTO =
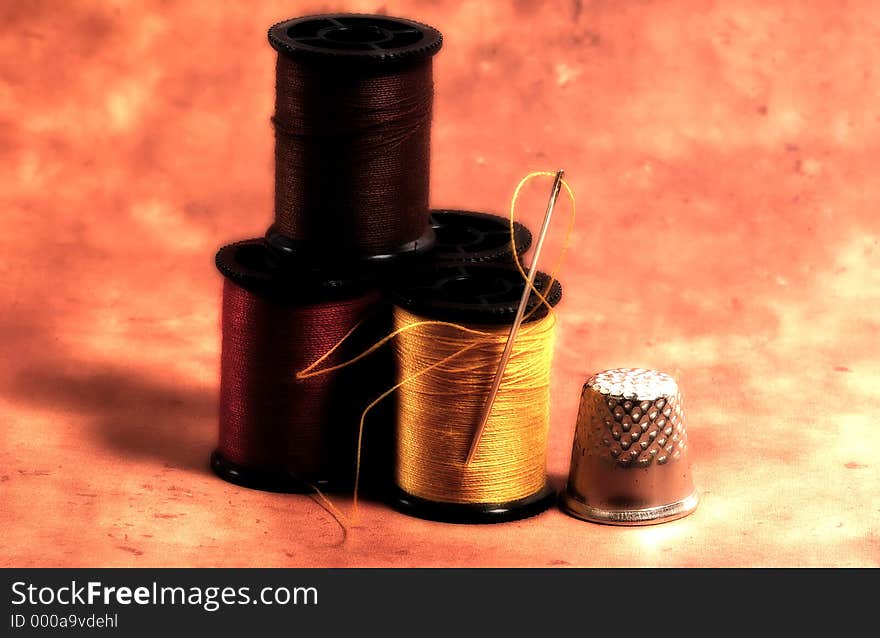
(475, 513)
(470, 236)
(265, 481)
(487, 293)
(454, 236)
(256, 266)
(355, 39)
(348, 256)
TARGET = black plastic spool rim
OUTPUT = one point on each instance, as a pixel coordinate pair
(355, 39)
(257, 479)
(477, 293)
(470, 236)
(319, 254)
(475, 513)
(455, 236)
(256, 266)
(453, 293)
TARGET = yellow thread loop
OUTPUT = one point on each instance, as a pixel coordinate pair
(554, 272)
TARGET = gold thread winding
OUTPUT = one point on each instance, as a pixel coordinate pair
(439, 409)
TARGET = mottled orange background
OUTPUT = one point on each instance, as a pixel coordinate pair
(725, 160)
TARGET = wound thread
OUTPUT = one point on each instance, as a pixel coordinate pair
(432, 444)
(269, 423)
(352, 154)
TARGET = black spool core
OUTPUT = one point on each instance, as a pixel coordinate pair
(355, 39)
(257, 266)
(469, 236)
(475, 513)
(356, 34)
(487, 293)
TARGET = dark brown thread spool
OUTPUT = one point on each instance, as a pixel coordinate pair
(354, 96)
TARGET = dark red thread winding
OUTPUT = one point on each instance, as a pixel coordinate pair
(269, 421)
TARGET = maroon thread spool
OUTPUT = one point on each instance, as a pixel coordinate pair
(354, 97)
(279, 315)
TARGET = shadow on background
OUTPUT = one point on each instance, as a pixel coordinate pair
(557, 481)
(129, 415)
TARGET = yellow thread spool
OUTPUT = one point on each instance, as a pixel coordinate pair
(445, 374)
(471, 500)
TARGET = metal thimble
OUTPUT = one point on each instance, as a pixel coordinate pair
(629, 462)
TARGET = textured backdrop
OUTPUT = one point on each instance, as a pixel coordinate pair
(724, 156)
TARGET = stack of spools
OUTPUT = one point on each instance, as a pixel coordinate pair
(353, 254)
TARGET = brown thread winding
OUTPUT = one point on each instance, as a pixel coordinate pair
(352, 154)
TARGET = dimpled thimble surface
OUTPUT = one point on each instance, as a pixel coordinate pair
(629, 462)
